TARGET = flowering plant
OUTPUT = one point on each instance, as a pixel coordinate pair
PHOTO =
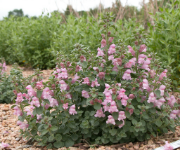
(118, 95)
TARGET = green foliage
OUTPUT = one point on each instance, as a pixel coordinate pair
(7, 85)
(164, 38)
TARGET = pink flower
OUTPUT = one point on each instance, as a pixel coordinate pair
(100, 52)
(95, 83)
(76, 77)
(68, 96)
(39, 85)
(126, 75)
(174, 113)
(29, 110)
(31, 92)
(151, 98)
(35, 101)
(63, 85)
(131, 50)
(111, 39)
(53, 102)
(130, 63)
(24, 125)
(112, 49)
(86, 81)
(19, 98)
(152, 73)
(146, 65)
(145, 84)
(159, 102)
(4, 145)
(142, 48)
(103, 43)
(110, 120)
(101, 75)
(115, 68)
(65, 106)
(171, 101)
(113, 107)
(82, 58)
(124, 102)
(163, 74)
(64, 74)
(121, 115)
(39, 117)
(121, 125)
(72, 110)
(17, 111)
(85, 94)
(161, 88)
(131, 96)
(167, 146)
(117, 62)
(141, 58)
(99, 113)
(111, 57)
(131, 111)
(47, 93)
(122, 92)
(78, 68)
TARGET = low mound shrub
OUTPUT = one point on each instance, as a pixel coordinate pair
(119, 95)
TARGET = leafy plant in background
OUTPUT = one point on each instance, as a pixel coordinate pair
(7, 86)
(165, 39)
(115, 96)
(13, 82)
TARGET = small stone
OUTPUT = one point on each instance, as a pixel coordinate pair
(150, 142)
(136, 146)
(17, 139)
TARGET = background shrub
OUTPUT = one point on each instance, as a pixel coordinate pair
(164, 38)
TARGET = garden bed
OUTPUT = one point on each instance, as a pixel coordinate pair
(9, 130)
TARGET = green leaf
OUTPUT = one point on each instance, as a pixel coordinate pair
(58, 137)
(158, 123)
(84, 64)
(13, 106)
(54, 128)
(113, 72)
(158, 93)
(49, 146)
(115, 115)
(74, 137)
(165, 130)
(97, 106)
(46, 101)
(69, 142)
(38, 110)
(166, 94)
(39, 93)
(134, 75)
(51, 138)
(119, 122)
(113, 132)
(107, 77)
(58, 144)
(134, 122)
(127, 114)
(43, 132)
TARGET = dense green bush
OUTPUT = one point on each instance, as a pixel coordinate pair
(26, 41)
(165, 38)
